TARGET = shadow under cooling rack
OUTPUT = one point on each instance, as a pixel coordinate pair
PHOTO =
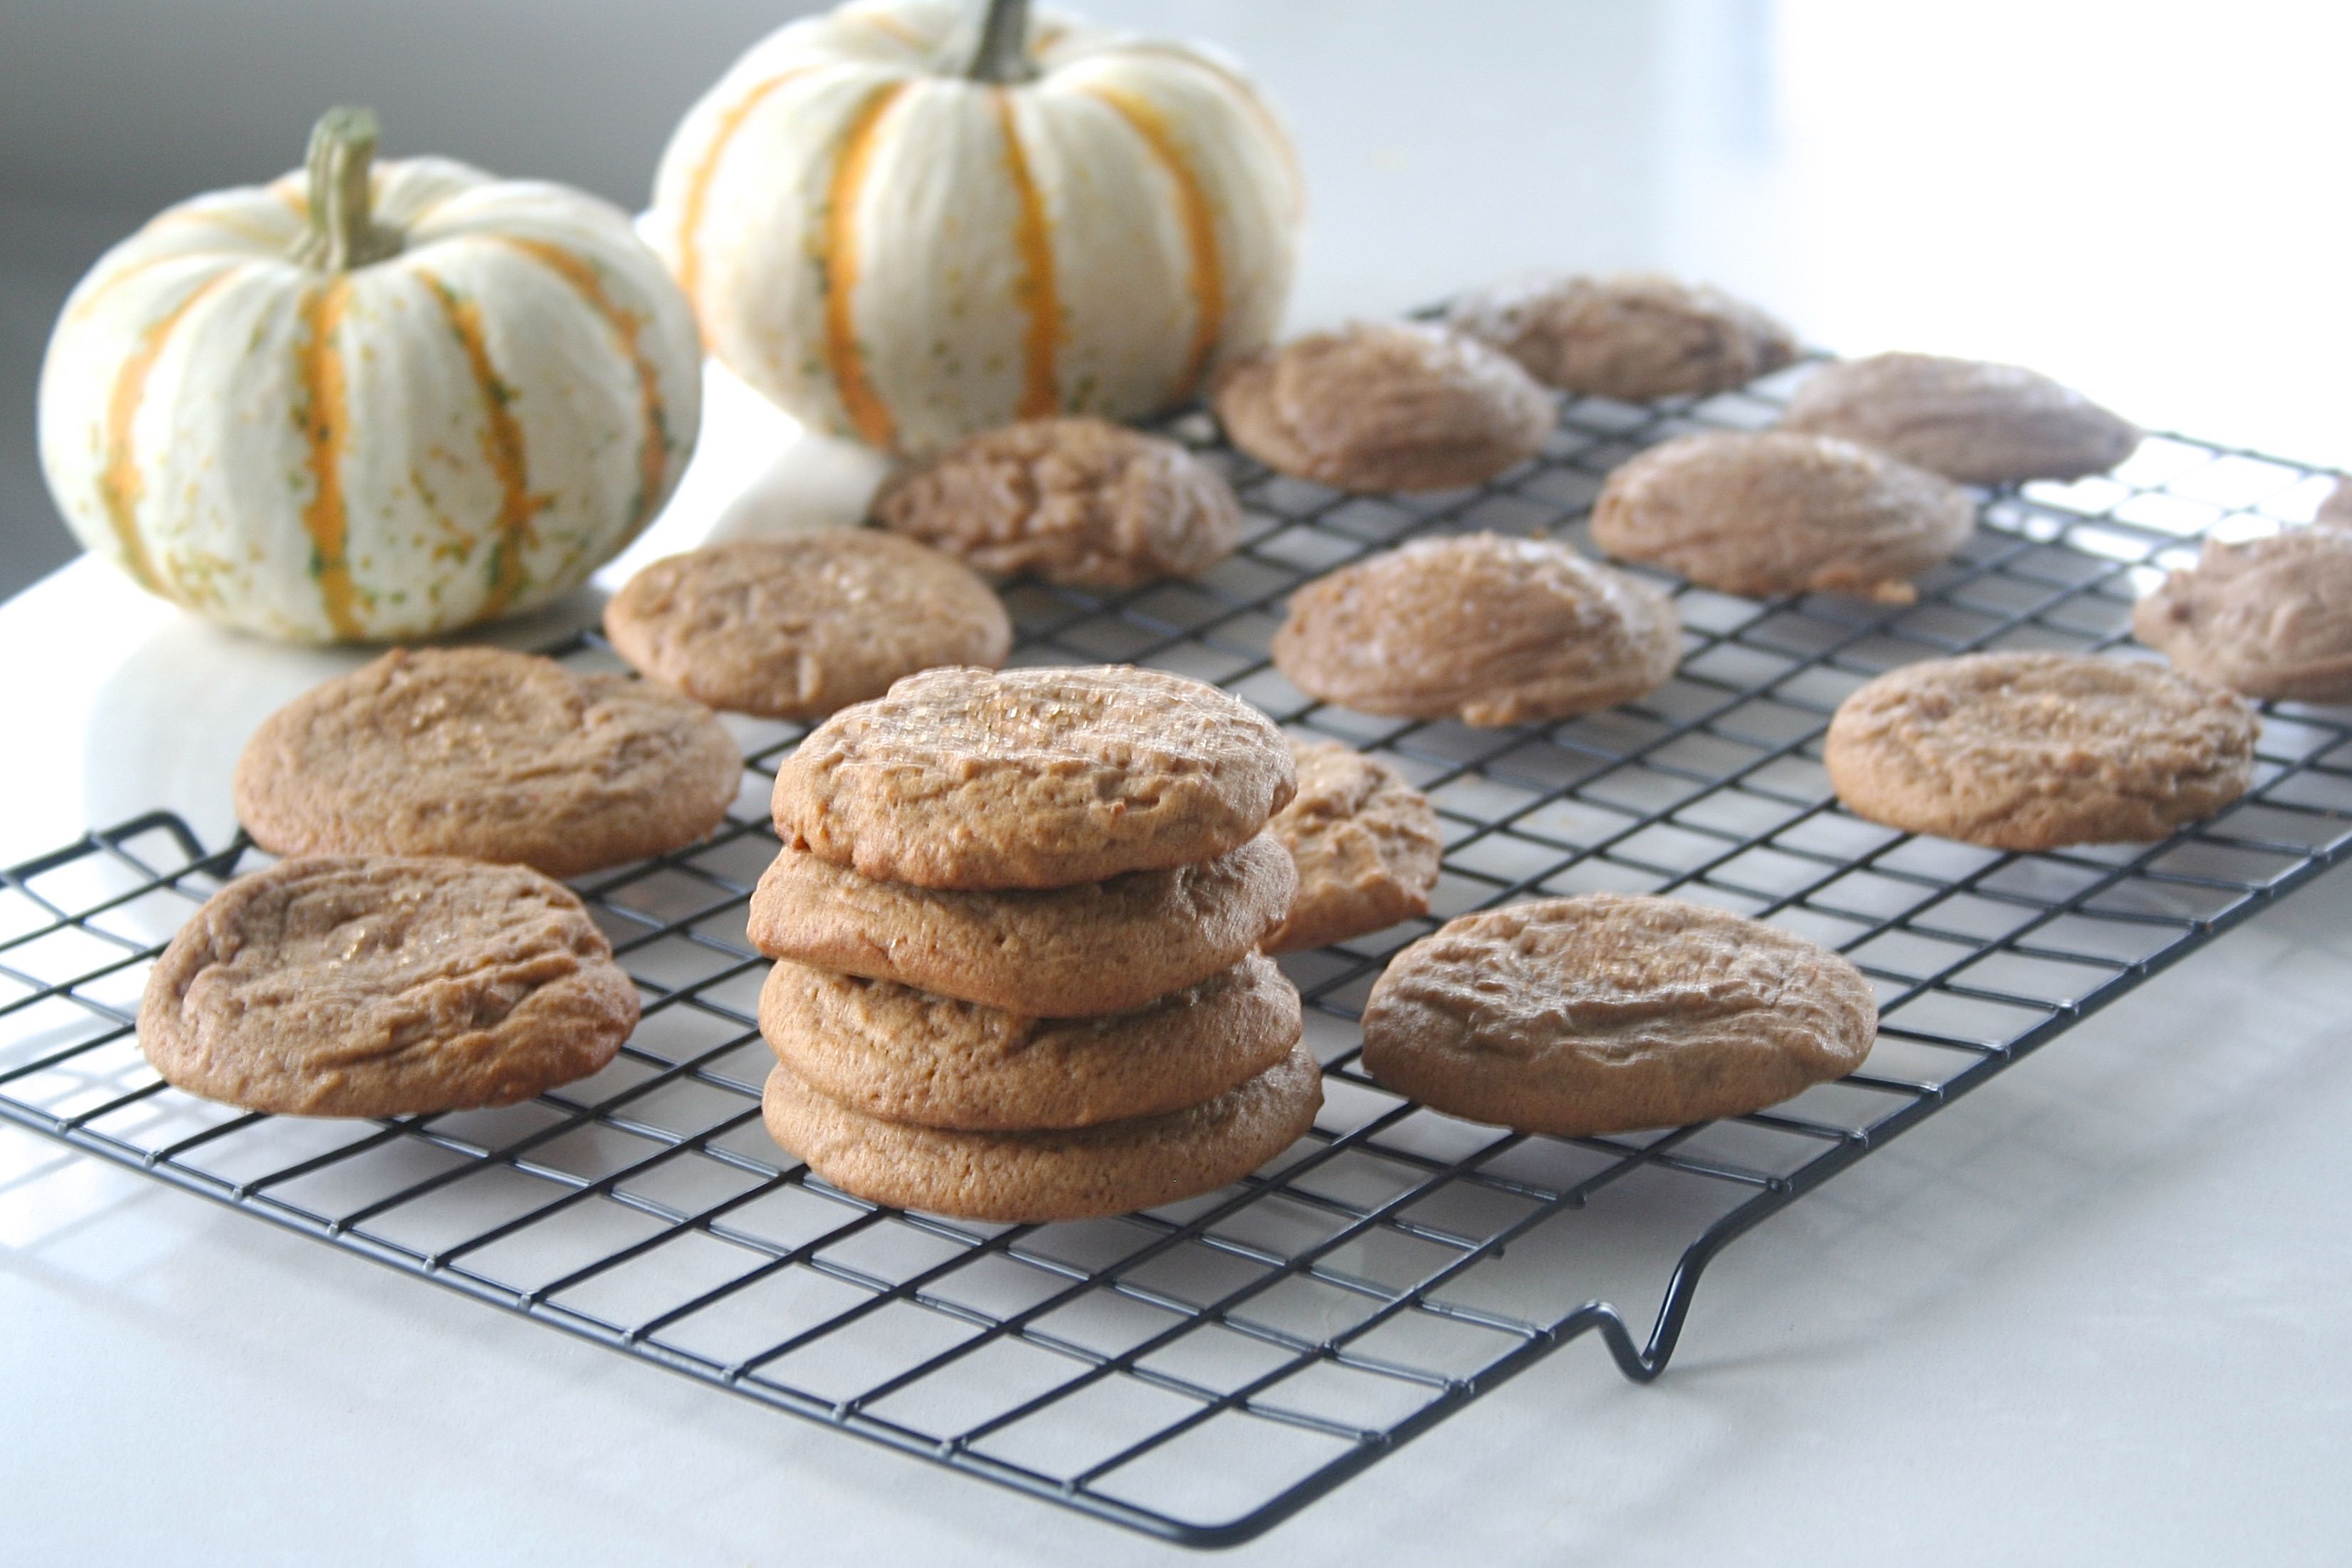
(1204, 1370)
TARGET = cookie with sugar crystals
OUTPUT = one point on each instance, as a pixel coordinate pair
(2031, 751)
(1365, 844)
(1633, 336)
(2269, 617)
(1977, 423)
(1607, 1013)
(384, 986)
(1033, 778)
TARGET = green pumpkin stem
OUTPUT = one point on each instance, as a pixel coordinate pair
(343, 232)
(1004, 52)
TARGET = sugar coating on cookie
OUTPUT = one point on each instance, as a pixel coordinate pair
(1386, 405)
(1977, 423)
(1076, 500)
(490, 755)
(1036, 1177)
(799, 627)
(1632, 337)
(2031, 751)
(905, 1055)
(2335, 512)
(1365, 844)
(1607, 1013)
(2269, 617)
(1033, 778)
(1062, 952)
(384, 986)
(1481, 627)
(1782, 512)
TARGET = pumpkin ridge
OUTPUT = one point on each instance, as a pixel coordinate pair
(868, 414)
(1041, 391)
(502, 446)
(1244, 92)
(119, 483)
(326, 426)
(1207, 283)
(706, 171)
(653, 451)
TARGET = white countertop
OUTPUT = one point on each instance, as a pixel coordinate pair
(2096, 1313)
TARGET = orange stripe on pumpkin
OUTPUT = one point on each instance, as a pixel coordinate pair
(1251, 100)
(1200, 218)
(120, 485)
(867, 413)
(501, 447)
(698, 185)
(327, 427)
(653, 445)
(1040, 389)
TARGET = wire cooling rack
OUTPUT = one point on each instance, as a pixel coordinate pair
(1204, 1370)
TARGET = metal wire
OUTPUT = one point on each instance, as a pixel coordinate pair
(1202, 1370)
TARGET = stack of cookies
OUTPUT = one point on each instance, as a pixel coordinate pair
(1016, 918)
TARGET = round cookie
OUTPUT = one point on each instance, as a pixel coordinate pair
(387, 986)
(1079, 501)
(1033, 778)
(1485, 628)
(1977, 423)
(1782, 513)
(489, 755)
(1365, 844)
(1385, 405)
(2029, 751)
(1606, 1014)
(796, 628)
(2269, 617)
(904, 1055)
(1633, 336)
(1064, 952)
(1037, 1178)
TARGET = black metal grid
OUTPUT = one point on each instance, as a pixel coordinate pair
(1202, 1370)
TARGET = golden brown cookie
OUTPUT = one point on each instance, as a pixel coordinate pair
(904, 1055)
(2335, 512)
(389, 986)
(1980, 424)
(1365, 842)
(2269, 617)
(795, 628)
(2029, 751)
(1632, 337)
(1606, 1014)
(1385, 405)
(1482, 627)
(1782, 513)
(1079, 501)
(488, 755)
(1033, 778)
(1060, 952)
(1116, 1167)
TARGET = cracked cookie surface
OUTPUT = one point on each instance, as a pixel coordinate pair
(1632, 337)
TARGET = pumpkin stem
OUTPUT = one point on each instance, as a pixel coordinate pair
(1004, 52)
(343, 232)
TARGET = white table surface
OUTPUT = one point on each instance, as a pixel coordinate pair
(2097, 1313)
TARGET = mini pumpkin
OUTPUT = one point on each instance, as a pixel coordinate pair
(904, 228)
(369, 401)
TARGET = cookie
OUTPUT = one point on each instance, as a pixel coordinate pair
(1979, 423)
(1606, 1014)
(2269, 617)
(2335, 512)
(1385, 405)
(1033, 778)
(488, 755)
(384, 986)
(904, 1055)
(1479, 627)
(1036, 1177)
(1365, 844)
(1078, 501)
(796, 628)
(1782, 513)
(1633, 336)
(1064, 952)
(2029, 751)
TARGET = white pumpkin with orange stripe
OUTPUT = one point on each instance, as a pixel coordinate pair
(909, 220)
(369, 401)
